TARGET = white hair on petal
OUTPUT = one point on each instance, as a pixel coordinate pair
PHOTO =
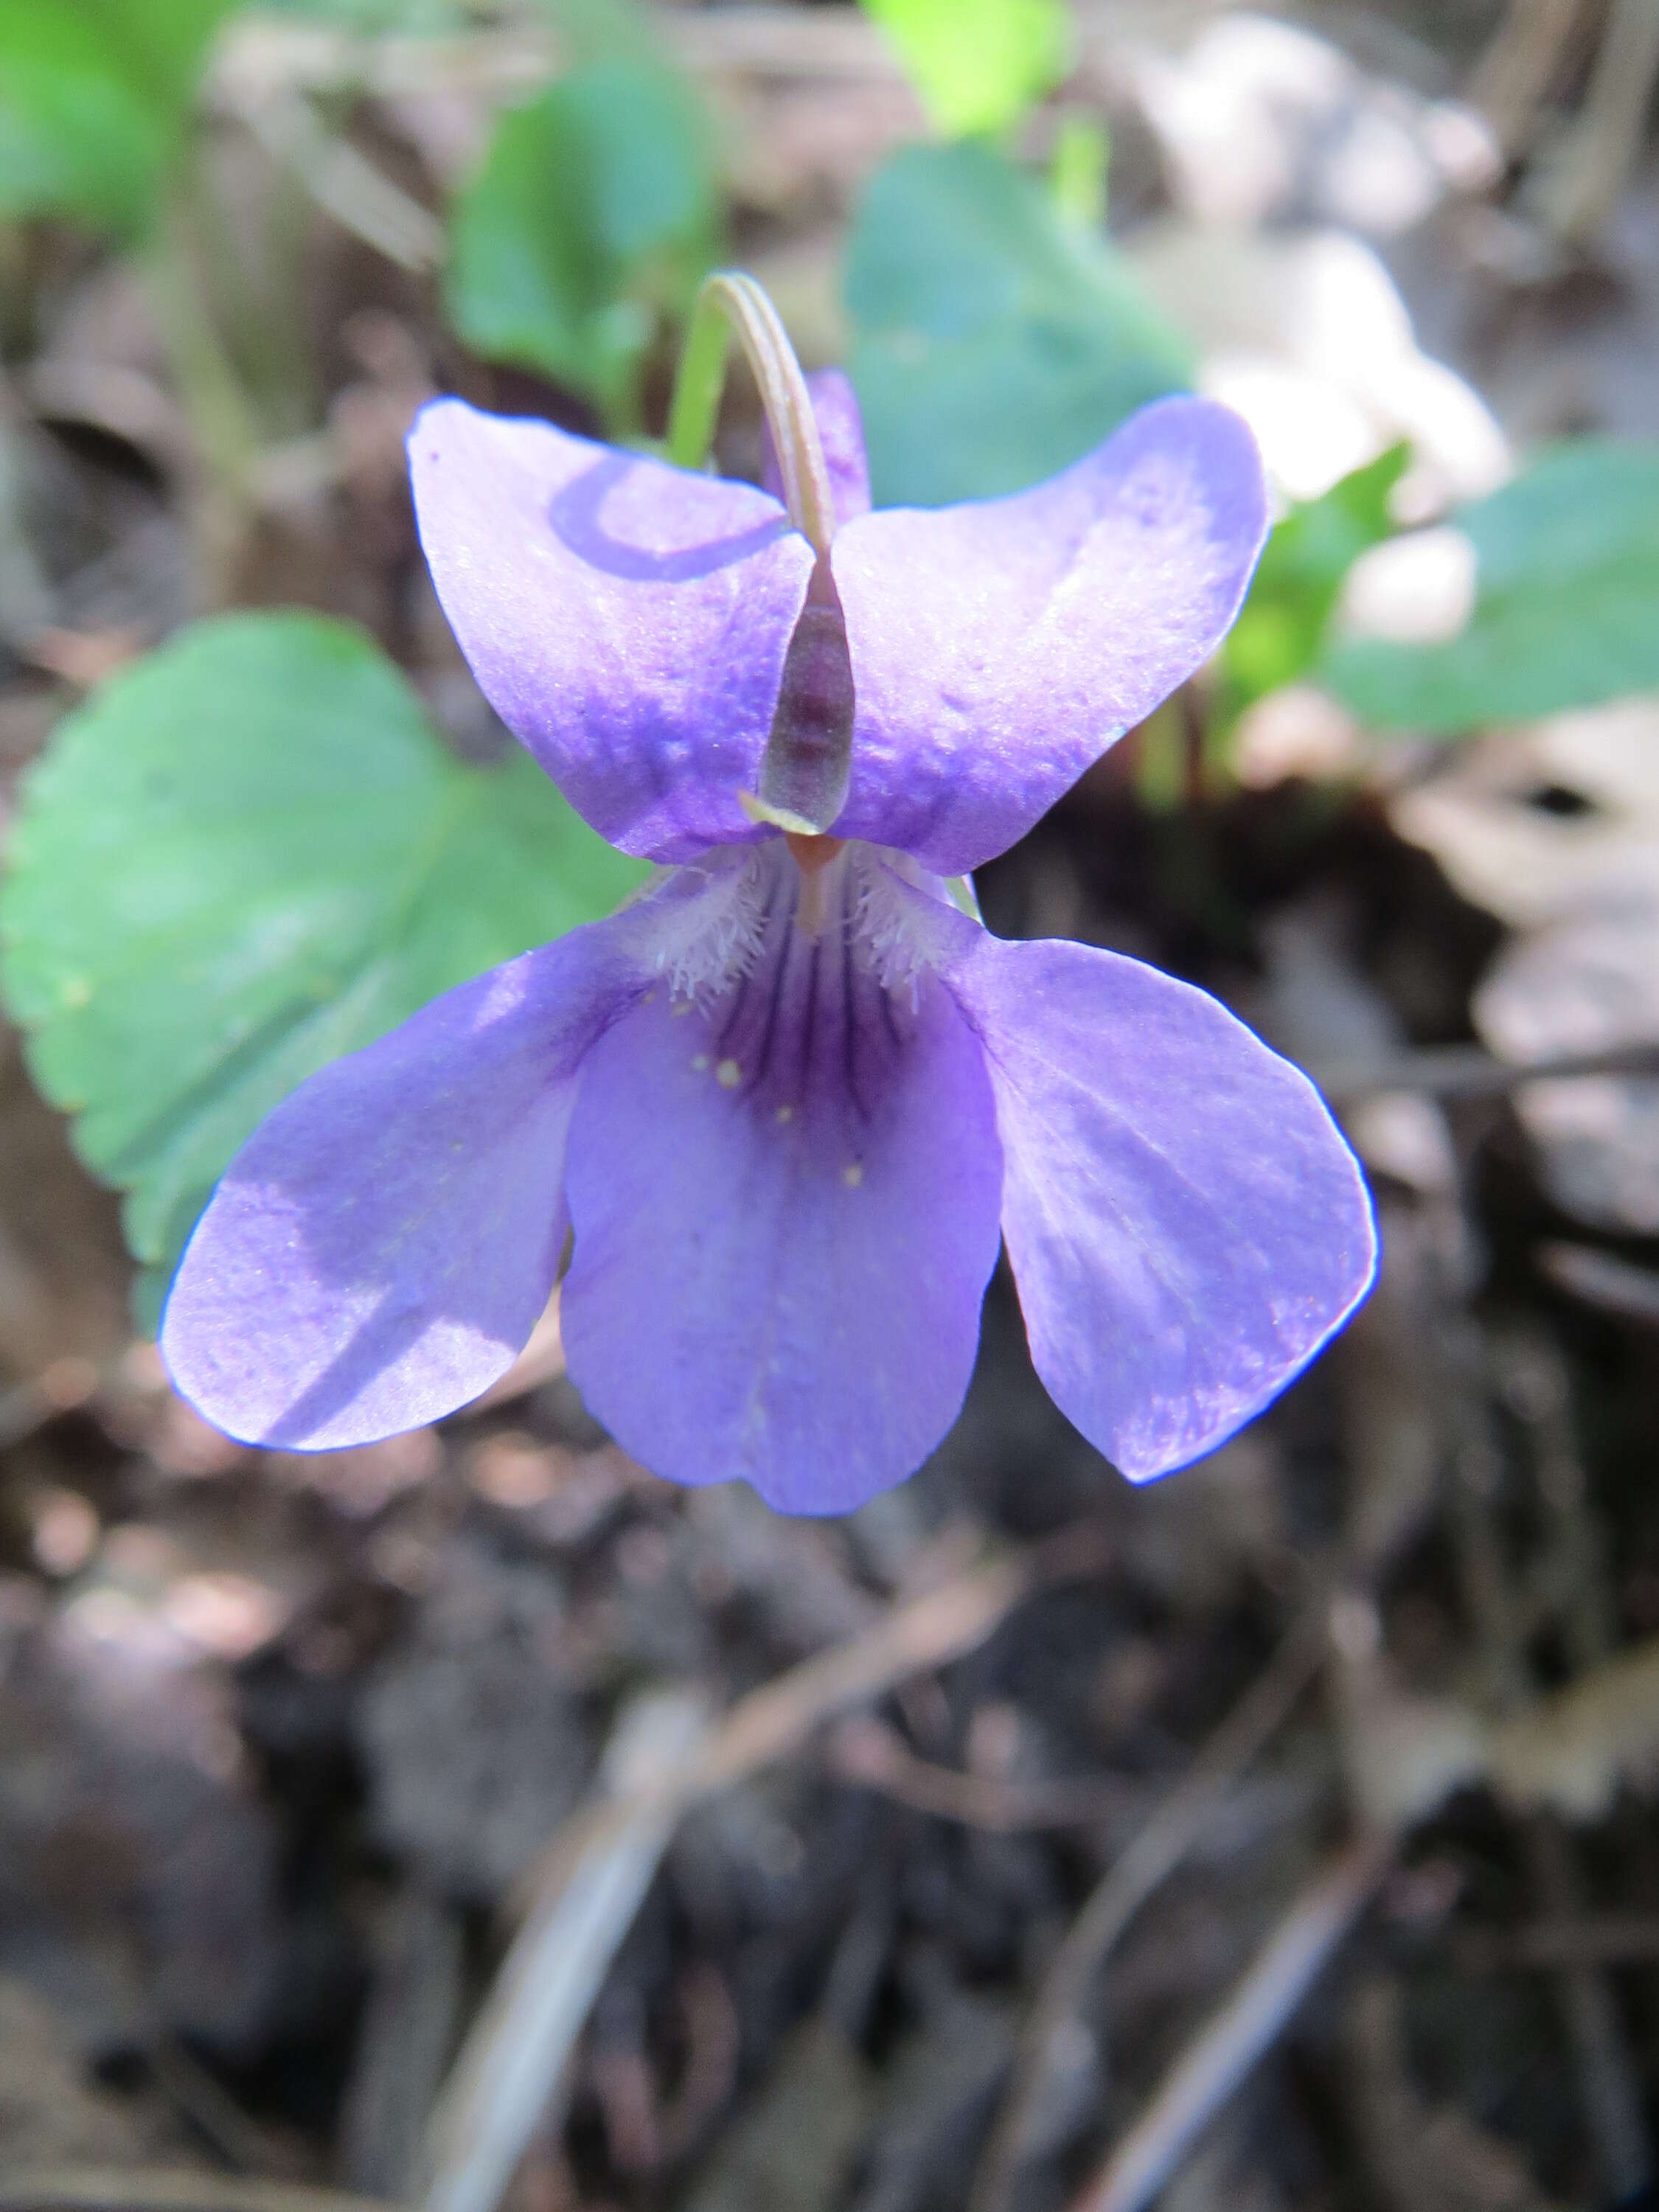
(708, 936)
(889, 926)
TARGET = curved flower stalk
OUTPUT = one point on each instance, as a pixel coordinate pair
(785, 1107)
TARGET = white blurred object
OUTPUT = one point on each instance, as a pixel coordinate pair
(1405, 1135)
(1306, 335)
(1316, 1006)
(1296, 731)
(1417, 589)
(1259, 118)
(1555, 830)
(1532, 863)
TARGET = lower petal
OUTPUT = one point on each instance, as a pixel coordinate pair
(785, 1212)
(1186, 1223)
(379, 1251)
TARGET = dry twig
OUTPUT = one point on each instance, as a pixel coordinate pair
(1147, 1862)
(1607, 2085)
(1467, 1071)
(117, 2189)
(591, 1881)
(1226, 2049)
(516, 2053)
(1605, 143)
(868, 1753)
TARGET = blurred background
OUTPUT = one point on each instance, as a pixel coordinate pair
(474, 1820)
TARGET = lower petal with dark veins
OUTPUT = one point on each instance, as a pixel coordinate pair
(785, 1200)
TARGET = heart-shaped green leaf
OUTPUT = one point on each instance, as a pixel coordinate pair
(1282, 625)
(93, 97)
(996, 342)
(245, 855)
(1566, 610)
(594, 211)
(978, 64)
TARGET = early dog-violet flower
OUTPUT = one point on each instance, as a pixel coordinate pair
(785, 1107)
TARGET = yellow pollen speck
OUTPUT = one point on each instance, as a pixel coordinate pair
(853, 1175)
(728, 1074)
(699, 1061)
(680, 1008)
(786, 1112)
(77, 992)
(649, 998)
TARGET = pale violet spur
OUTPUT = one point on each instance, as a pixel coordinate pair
(783, 1111)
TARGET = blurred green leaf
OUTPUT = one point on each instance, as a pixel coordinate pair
(242, 857)
(1281, 629)
(1078, 166)
(599, 30)
(595, 212)
(409, 19)
(978, 64)
(95, 95)
(995, 341)
(1567, 609)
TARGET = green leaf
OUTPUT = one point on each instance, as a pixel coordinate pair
(978, 64)
(1281, 629)
(600, 30)
(1078, 165)
(407, 19)
(242, 857)
(95, 95)
(595, 212)
(994, 342)
(1566, 610)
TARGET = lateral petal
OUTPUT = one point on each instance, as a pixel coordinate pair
(628, 621)
(1186, 1225)
(378, 1252)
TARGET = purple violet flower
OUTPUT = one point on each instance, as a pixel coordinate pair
(794, 1098)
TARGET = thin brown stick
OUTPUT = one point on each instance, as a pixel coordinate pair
(1602, 1280)
(1611, 2081)
(1515, 71)
(1543, 1946)
(1605, 143)
(519, 2047)
(868, 1753)
(120, 2189)
(1608, 2084)
(929, 1631)
(1148, 1862)
(588, 1884)
(1466, 1071)
(1244, 2029)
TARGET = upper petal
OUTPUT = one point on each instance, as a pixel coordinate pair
(380, 1250)
(628, 621)
(1186, 1223)
(785, 1207)
(998, 648)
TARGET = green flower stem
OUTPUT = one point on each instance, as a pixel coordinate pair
(698, 384)
(222, 497)
(212, 393)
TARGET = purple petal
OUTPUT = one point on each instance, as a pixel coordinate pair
(628, 621)
(841, 429)
(1186, 1223)
(380, 1250)
(786, 1215)
(999, 649)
